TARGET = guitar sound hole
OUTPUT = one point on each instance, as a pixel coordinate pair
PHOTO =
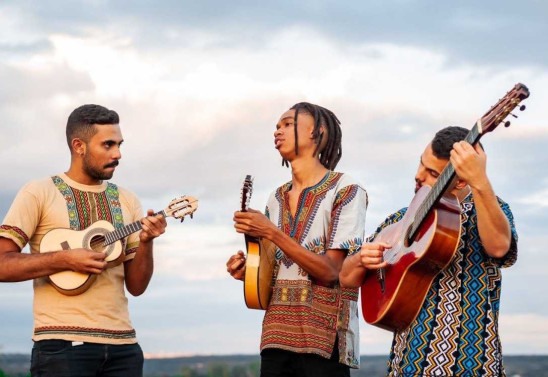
(97, 243)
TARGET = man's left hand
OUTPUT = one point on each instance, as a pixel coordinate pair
(153, 226)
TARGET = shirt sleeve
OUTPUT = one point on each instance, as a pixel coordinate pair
(392, 219)
(347, 224)
(135, 213)
(23, 216)
(511, 257)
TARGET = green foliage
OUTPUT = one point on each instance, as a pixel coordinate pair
(222, 370)
(190, 372)
(239, 371)
(218, 370)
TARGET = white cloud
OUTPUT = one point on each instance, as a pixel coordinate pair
(537, 199)
(196, 252)
(525, 333)
(199, 116)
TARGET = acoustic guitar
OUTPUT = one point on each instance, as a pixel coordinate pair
(259, 263)
(101, 237)
(425, 240)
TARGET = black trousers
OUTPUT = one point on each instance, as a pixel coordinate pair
(60, 358)
(281, 363)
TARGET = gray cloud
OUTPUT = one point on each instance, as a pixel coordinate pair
(171, 149)
(504, 35)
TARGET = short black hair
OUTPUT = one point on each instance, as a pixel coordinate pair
(81, 121)
(443, 141)
(332, 152)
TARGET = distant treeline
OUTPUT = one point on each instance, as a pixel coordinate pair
(17, 365)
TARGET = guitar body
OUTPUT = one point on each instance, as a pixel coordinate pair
(408, 277)
(73, 283)
(259, 272)
(426, 239)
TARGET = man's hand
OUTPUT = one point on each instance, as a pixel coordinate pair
(153, 226)
(235, 265)
(85, 260)
(372, 255)
(470, 164)
(253, 223)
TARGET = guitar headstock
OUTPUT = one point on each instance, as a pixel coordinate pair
(181, 207)
(247, 190)
(502, 108)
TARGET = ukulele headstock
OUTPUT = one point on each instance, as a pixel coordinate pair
(181, 207)
(247, 190)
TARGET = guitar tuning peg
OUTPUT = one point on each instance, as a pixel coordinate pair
(182, 219)
(191, 215)
(522, 107)
(515, 116)
(507, 123)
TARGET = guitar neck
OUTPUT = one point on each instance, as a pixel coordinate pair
(441, 185)
(125, 231)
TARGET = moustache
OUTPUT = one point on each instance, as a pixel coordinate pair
(112, 165)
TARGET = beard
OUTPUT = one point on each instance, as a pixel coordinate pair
(98, 173)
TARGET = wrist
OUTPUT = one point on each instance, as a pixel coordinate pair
(146, 239)
(61, 259)
(481, 187)
(273, 235)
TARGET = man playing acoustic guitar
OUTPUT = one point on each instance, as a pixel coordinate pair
(89, 334)
(455, 332)
(310, 327)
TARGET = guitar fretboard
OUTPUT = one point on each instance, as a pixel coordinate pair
(118, 234)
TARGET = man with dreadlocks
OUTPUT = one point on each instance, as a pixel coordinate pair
(318, 218)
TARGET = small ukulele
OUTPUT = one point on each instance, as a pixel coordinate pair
(101, 237)
(260, 261)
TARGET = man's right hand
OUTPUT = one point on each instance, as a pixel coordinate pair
(85, 260)
(235, 265)
(372, 255)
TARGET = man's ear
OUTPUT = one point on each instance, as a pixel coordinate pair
(78, 146)
(322, 139)
(460, 184)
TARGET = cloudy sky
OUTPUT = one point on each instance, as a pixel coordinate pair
(199, 87)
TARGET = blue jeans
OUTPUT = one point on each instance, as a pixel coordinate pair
(60, 358)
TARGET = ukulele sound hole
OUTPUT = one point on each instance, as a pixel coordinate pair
(97, 243)
(95, 240)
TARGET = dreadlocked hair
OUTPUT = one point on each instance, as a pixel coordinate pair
(332, 152)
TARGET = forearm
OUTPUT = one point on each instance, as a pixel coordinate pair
(352, 272)
(493, 226)
(321, 267)
(139, 270)
(16, 266)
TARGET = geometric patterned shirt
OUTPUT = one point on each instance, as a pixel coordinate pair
(303, 315)
(100, 314)
(456, 330)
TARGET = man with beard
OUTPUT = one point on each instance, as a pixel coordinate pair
(89, 334)
(456, 330)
